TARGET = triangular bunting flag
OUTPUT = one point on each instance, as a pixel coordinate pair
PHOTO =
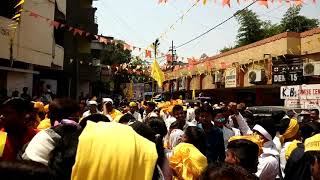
(298, 2)
(70, 28)
(55, 24)
(33, 14)
(87, 34)
(148, 54)
(62, 25)
(264, 3)
(226, 2)
(77, 31)
(96, 36)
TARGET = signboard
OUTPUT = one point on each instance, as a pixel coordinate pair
(309, 92)
(231, 77)
(182, 84)
(302, 104)
(287, 73)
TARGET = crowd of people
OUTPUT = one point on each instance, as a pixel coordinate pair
(94, 139)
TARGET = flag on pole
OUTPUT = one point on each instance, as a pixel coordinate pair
(156, 73)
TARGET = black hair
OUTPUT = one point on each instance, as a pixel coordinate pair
(247, 152)
(19, 104)
(62, 157)
(158, 126)
(16, 170)
(197, 137)
(126, 118)
(249, 118)
(177, 108)
(316, 111)
(25, 89)
(62, 109)
(269, 125)
(151, 104)
(222, 171)
(206, 110)
(307, 130)
(94, 118)
(280, 122)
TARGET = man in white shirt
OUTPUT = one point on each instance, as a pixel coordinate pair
(133, 111)
(268, 168)
(92, 109)
(191, 113)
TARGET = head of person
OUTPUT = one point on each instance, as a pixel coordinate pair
(133, 106)
(127, 119)
(232, 107)
(179, 113)
(25, 89)
(25, 170)
(60, 109)
(191, 105)
(195, 136)
(158, 126)
(292, 131)
(15, 93)
(82, 105)
(222, 171)
(312, 155)
(307, 130)
(265, 129)
(150, 107)
(93, 105)
(244, 153)
(48, 86)
(15, 114)
(220, 117)
(94, 118)
(108, 104)
(205, 116)
(314, 114)
(175, 138)
(281, 121)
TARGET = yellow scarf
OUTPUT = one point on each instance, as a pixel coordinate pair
(291, 131)
(187, 162)
(115, 152)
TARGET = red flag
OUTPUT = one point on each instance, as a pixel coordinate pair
(87, 34)
(226, 2)
(70, 28)
(314, 1)
(238, 1)
(169, 58)
(126, 46)
(148, 54)
(77, 31)
(264, 3)
(62, 25)
(96, 36)
(55, 24)
(298, 2)
(103, 40)
(32, 14)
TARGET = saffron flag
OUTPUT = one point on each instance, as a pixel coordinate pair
(156, 73)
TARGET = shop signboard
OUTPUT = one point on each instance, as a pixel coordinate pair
(289, 74)
(231, 77)
(302, 103)
(311, 91)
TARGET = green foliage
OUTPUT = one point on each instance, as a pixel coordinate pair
(250, 29)
(271, 29)
(226, 48)
(115, 54)
(292, 21)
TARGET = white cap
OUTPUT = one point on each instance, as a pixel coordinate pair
(93, 103)
(106, 100)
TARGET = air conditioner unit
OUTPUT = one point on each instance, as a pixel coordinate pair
(256, 75)
(311, 69)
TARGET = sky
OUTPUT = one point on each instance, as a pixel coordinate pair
(140, 22)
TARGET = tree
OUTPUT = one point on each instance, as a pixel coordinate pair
(226, 48)
(250, 29)
(270, 29)
(115, 54)
(292, 21)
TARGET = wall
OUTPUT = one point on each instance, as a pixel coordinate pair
(18, 80)
(207, 82)
(84, 87)
(195, 83)
(310, 43)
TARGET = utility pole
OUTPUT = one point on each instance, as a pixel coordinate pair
(155, 45)
(173, 62)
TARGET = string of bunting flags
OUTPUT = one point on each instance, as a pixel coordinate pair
(102, 39)
(261, 2)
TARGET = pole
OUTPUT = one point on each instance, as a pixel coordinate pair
(155, 45)
(172, 63)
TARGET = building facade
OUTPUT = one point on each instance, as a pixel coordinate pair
(29, 47)
(255, 72)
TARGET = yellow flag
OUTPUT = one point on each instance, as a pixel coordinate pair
(193, 94)
(156, 73)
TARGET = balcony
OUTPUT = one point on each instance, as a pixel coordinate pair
(87, 20)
